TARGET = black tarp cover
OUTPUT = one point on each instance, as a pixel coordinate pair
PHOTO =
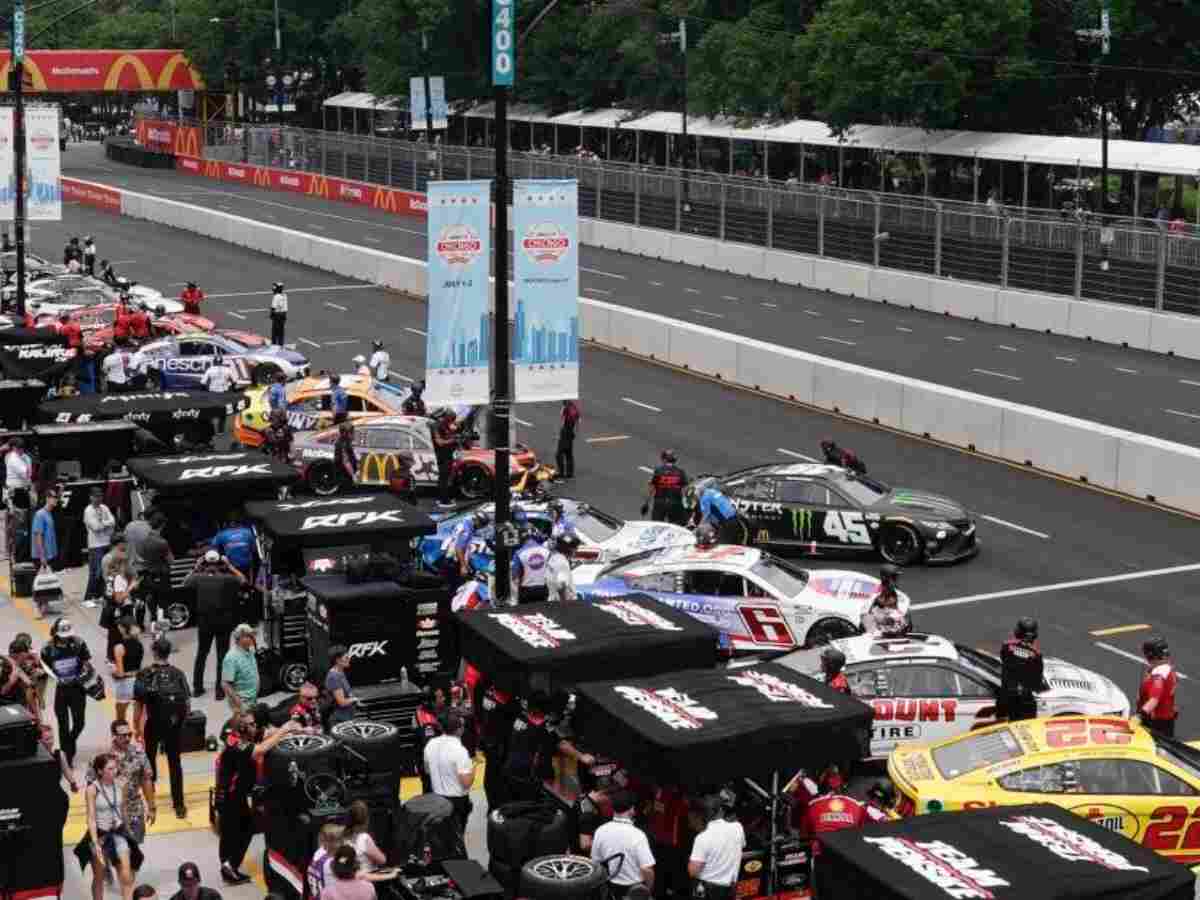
(152, 409)
(39, 353)
(1034, 852)
(213, 472)
(632, 636)
(704, 726)
(330, 522)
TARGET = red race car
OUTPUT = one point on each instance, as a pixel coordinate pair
(97, 323)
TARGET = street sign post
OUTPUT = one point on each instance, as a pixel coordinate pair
(504, 14)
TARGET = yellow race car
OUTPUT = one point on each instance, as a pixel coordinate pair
(1110, 770)
(308, 405)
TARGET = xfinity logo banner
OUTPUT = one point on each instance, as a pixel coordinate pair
(137, 398)
(225, 471)
(943, 865)
(345, 520)
(673, 708)
(636, 615)
(779, 691)
(367, 649)
(536, 630)
(1069, 844)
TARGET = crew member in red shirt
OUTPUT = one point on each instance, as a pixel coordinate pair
(139, 323)
(70, 330)
(833, 661)
(564, 457)
(192, 297)
(1156, 697)
(670, 839)
(121, 325)
(832, 811)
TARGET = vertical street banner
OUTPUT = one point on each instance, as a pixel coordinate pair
(8, 196)
(437, 103)
(416, 103)
(458, 336)
(546, 289)
(44, 164)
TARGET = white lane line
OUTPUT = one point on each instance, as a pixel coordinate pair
(997, 374)
(770, 305)
(337, 306)
(602, 274)
(1015, 527)
(646, 469)
(957, 340)
(641, 404)
(692, 290)
(706, 313)
(728, 297)
(416, 331)
(905, 330)
(1131, 656)
(656, 284)
(786, 452)
(264, 309)
(316, 226)
(1127, 371)
(812, 312)
(608, 439)
(857, 321)
(1060, 586)
(177, 284)
(236, 315)
(310, 343)
(834, 340)
(372, 240)
(1178, 412)
(1192, 383)
(1069, 359)
(591, 290)
(336, 343)
(301, 290)
(1008, 348)
(522, 422)
(123, 262)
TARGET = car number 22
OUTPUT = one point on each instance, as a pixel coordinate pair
(846, 527)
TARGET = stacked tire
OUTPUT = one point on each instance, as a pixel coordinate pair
(563, 877)
(519, 832)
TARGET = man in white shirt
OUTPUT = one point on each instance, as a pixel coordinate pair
(381, 362)
(138, 367)
(218, 377)
(717, 852)
(99, 522)
(18, 475)
(560, 582)
(116, 371)
(451, 772)
(622, 836)
(279, 311)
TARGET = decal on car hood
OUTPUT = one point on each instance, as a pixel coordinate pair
(637, 536)
(848, 586)
(920, 501)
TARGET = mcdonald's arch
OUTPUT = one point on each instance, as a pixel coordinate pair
(386, 199)
(318, 186)
(112, 81)
(97, 71)
(262, 177)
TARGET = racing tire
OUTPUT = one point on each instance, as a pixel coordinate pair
(512, 841)
(313, 754)
(292, 676)
(828, 630)
(900, 545)
(377, 742)
(154, 380)
(475, 483)
(263, 374)
(324, 479)
(178, 615)
(562, 876)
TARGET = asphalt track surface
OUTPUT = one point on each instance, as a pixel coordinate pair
(1079, 560)
(1143, 392)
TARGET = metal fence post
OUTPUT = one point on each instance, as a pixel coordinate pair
(416, 168)
(721, 229)
(389, 163)
(1006, 225)
(599, 191)
(345, 162)
(470, 156)
(821, 224)
(678, 206)
(324, 154)
(937, 240)
(441, 158)
(1079, 259)
(1160, 276)
(875, 240)
(770, 195)
(637, 195)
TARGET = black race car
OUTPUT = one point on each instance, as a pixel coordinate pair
(822, 510)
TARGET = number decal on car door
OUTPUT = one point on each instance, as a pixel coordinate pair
(767, 625)
(1165, 831)
(846, 527)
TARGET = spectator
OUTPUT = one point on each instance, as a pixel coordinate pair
(20, 651)
(46, 736)
(156, 558)
(358, 836)
(319, 873)
(190, 887)
(621, 836)
(15, 687)
(99, 522)
(239, 671)
(337, 685)
(69, 660)
(136, 533)
(108, 842)
(18, 475)
(161, 695)
(346, 883)
(44, 537)
(451, 772)
(134, 778)
(126, 663)
(218, 583)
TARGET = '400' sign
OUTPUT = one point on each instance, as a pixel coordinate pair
(504, 44)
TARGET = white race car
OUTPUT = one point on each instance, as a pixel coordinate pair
(927, 688)
(69, 292)
(757, 601)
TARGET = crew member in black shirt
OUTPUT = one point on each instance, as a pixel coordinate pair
(1022, 673)
(531, 748)
(495, 712)
(665, 499)
(69, 661)
(344, 458)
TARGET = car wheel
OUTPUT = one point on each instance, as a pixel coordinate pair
(377, 742)
(292, 676)
(830, 630)
(313, 754)
(561, 876)
(263, 374)
(522, 835)
(178, 615)
(324, 479)
(475, 483)
(900, 545)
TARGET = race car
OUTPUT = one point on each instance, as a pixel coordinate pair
(820, 510)
(1111, 770)
(927, 688)
(378, 441)
(757, 601)
(98, 324)
(602, 538)
(58, 292)
(179, 362)
(309, 406)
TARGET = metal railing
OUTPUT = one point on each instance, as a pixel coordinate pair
(1150, 263)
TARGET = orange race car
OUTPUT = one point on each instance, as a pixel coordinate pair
(309, 406)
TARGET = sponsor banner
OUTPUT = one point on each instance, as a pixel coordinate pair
(437, 103)
(8, 186)
(546, 287)
(457, 347)
(45, 362)
(44, 161)
(165, 136)
(104, 71)
(418, 106)
(92, 195)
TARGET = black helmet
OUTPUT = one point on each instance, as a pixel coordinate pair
(377, 345)
(567, 543)
(481, 520)
(889, 574)
(832, 660)
(883, 794)
(191, 284)
(1156, 648)
(418, 387)
(277, 286)
(668, 456)
(1027, 628)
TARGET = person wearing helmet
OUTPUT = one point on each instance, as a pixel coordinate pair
(833, 661)
(881, 800)
(839, 456)
(413, 404)
(561, 524)
(1022, 673)
(1156, 696)
(458, 545)
(706, 535)
(339, 400)
(360, 366)
(89, 255)
(68, 659)
(715, 509)
(884, 615)
(278, 313)
(664, 501)
(528, 570)
(445, 442)
(192, 297)
(381, 361)
(560, 582)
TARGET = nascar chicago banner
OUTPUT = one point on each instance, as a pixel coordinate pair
(45, 164)
(103, 71)
(458, 342)
(546, 287)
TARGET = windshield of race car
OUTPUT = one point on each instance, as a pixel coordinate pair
(983, 663)
(631, 565)
(862, 490)
(597, 527)
(1178, 753)
(786, 579)
(978, 751)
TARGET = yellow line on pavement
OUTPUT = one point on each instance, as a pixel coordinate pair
(1120, 629)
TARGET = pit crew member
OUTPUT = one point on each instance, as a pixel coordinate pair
(664, 501)
(1156, 697)
(1022, 673)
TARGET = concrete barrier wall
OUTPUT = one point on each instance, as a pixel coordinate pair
(1107, 457)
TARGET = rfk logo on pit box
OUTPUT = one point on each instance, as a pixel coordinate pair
(673, 708)
(225, 471)
(779, 691)
(367, 649)
(941, 864)
(633, 614)
(352, 518)
(1069, 844)
(537, 630)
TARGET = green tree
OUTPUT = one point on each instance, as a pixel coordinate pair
(748, 67)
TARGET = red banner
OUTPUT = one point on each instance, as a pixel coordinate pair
(402, 203)
(93, 195)
(104, 71)
(165, 136)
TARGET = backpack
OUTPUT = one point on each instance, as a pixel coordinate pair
(167, 694)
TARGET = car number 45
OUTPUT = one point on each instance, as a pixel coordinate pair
(847, 527)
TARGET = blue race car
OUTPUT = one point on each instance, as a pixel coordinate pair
(179, 362)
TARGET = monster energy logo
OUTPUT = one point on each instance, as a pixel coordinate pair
(802, 522)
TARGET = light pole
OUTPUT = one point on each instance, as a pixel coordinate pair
(1103, 37)
(680, 38)
(278, 35)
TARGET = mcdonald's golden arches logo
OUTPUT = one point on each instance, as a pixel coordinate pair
(34, 80)
(318, 186)
(187, 142)
(386, 466)
(212, 168)
(386, 200)
(262, 177)
(168, 72)
(145, 79)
